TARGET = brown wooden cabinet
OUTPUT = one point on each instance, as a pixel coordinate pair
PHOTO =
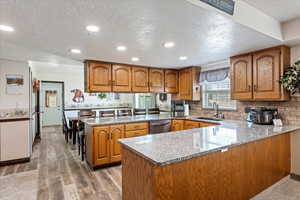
(189, 88)
(102, 145)
(177, 125)
(191, 124)
(140, 79)
(97, 76)
(206, 124)
(171, 81)
(255, 76)
(116, 132)
(121, 78)
(266, 73)
(241, 77)
(136, 129)
(156, 80)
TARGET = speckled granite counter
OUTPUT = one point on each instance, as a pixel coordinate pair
(120, 120)
(166, 148)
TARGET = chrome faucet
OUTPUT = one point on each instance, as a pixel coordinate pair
(217, 114)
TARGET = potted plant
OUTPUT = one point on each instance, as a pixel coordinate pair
(102, 96)
(291, 78)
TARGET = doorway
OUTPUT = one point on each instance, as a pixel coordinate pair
(51, 103)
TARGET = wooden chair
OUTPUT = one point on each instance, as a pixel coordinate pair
(138, 111)
(122, 113)
(152, 111)
(83, 114)
(67, 130)
(107, 113)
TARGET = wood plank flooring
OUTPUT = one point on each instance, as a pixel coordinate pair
(55, 172)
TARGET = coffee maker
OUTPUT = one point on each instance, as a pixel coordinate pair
(261, 115)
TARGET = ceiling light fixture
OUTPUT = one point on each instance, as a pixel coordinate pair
(121, 48)
(169, 44)
(183, 58)
(6, 28)
(92, 28)
(75, 51)
(135, 59)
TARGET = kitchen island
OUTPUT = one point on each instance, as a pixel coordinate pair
(232, 160)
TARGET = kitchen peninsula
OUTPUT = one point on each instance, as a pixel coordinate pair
(232, 160)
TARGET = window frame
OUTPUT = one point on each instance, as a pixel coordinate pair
(203, 96)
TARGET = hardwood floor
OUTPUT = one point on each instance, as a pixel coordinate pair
(55, 172)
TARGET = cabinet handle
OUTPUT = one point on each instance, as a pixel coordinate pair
(255, 88)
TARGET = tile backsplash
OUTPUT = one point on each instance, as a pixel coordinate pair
(289, 110)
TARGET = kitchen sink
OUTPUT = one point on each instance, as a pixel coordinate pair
(208, 118)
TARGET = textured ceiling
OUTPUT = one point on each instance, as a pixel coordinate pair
(282, 10)
(55, 26)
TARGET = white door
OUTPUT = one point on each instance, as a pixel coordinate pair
(51, 103)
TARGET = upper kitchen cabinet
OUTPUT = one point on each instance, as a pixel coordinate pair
(189, 88)
(121, 78)
(241, 77)
(156, 80)
(97, 76)
(256, 76)
(140, 79)
(171, 81)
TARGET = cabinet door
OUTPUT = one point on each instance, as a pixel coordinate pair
(121, 78)
(266, 73)
(171, 81)
(177, 125)
(185, 84)
(191, 124)
(140, 79)
(98, 76)
(116, 132)
(241, 77)
(101, 145)
(206, 124)
(157, 80)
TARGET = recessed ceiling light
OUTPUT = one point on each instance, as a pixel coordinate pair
(169, 44)
(6, 28)
(75, 51)
(183, 58)
(92, 28)
(121, 48)
(135, 59)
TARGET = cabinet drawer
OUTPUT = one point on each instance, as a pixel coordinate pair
(136, 133)
(136, 126)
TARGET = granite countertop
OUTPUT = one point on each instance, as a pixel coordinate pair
(14, 118)
(167, 148)
(94, 107)
(119, 120)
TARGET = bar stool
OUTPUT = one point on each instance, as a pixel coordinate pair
(123, 113)
(138, 111)
(107, 113)
(152, 111)
(83, 114)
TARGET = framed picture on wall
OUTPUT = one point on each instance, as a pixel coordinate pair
(14, 84)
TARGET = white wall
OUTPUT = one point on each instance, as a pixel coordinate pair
(73, 78)
(295, 54)
(12, 101)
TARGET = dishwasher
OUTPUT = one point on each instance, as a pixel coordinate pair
(160, 126)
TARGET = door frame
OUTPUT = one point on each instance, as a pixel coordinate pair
(62, 93)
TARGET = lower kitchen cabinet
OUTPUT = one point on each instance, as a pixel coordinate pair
(206, 124)
(116, 132)
(101, 145)
(191, 124)
(106, 146)
(177, 125)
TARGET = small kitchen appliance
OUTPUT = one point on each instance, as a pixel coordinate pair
(262, 115)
